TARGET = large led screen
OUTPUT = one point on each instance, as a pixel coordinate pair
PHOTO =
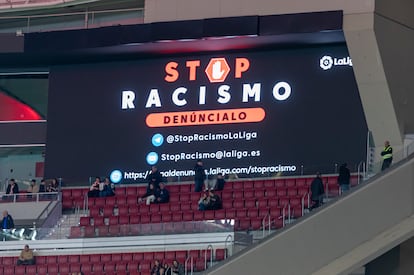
(253, 113)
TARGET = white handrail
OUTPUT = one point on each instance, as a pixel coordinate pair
(264, 223)
(211, 256)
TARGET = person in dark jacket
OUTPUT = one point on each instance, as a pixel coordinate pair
(149, 196)
(7, 222)
(344, 178)
(154, 177)
(107, 190)
(317, 191)
(161, 194)
(12, 187)
(219, 182)
(199, 176)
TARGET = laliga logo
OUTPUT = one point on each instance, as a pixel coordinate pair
(326, 62)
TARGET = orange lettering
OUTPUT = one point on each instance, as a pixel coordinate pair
(242, 65)
(172, 73)
(192, 65)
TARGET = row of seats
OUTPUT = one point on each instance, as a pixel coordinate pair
(184, 192)
(118, 263)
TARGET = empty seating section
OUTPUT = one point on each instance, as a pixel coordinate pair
(116, 263)
(248, 202)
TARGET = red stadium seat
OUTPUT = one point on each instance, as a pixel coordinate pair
(174, 188)
(237, 185)
(20, 270)
(131, 191)
(133, 267)
(219, 214)
(84, 221)
(198, 216)
(238, 204)
(209, 215)
(256, 223)
(273, 202)
(175, 207)
(187, 216)
(248, 185)
(258, 184)
(252, 213)
(41, 269)
(250, 203)
(220, 254)
(303, 190)
(164, 207)
(155, 218)
(50, 260)
(84, 259)
(249, 193)
(95, 258)
(200, 264)
(300, 182)
(281, 192)
(64, 268)
(185, 188)
(136, 219)
(166, 217)
(269, 184)
(270, 193)
(279, 183)
(241, 213)
(230, 213)
(62, 259)
(131, 200)
(292, 191)
(113, 220)
(110, 201)
(76, 232)
(52, 268)
(109, 267)
(283, 201)
(290, 182)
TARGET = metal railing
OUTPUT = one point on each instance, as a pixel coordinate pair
(74, 20)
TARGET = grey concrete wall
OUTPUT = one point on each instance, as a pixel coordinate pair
(171, 10)
(334, 230)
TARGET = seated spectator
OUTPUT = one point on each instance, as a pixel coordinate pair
(177, 268)
(215, 201)
(33, 187)
(162, 195)
(26, 257)
(107, 190)
(149, 195)
(53, 187)
(94, 189)
(204, 202)
(42, 186)
(154, 177)
(219, 182)
(12, 187)
(157, 268)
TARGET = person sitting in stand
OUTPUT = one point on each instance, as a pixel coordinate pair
(53, 186)
(94, 189)
(26, 257)
(149, 196)
(157, 268)
(162, 195)
(42, 186)
(107, 190)
(215, 201)
(177, 268)
(33, 187)
(12, 187)
(154, 177)
(219, 182)
(204, 202)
